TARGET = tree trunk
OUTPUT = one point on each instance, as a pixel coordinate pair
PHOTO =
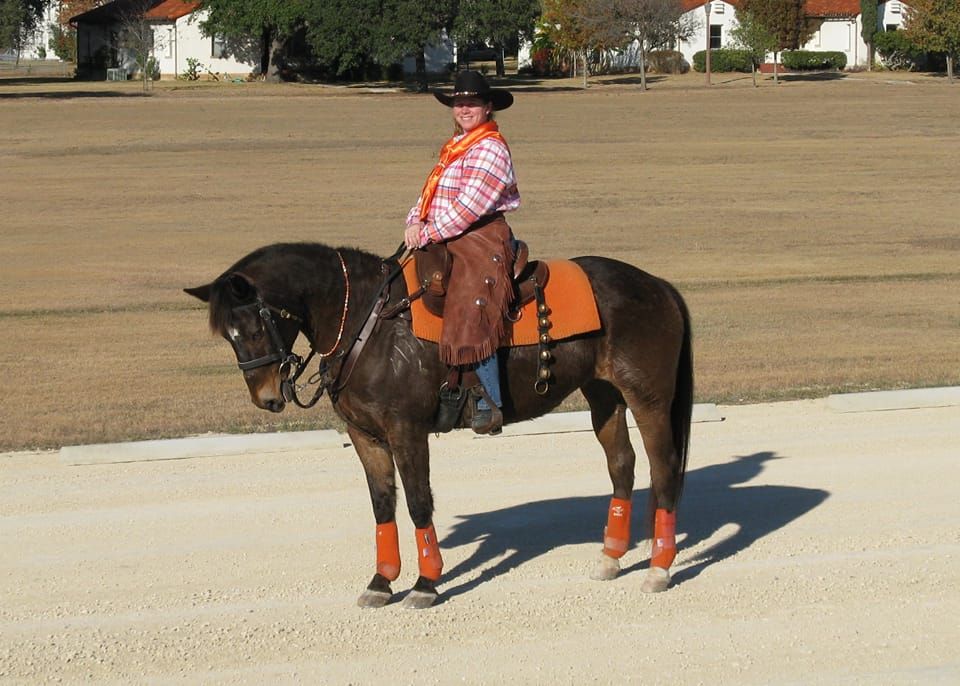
(753, 72)
(501, 69)
(273, 72)
(265, 41)
(584, 70)
(950, 67)
(870, 56)
(643, 69)
(776, 76)
(421, 60)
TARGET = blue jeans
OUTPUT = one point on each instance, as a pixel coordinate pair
(489, 373)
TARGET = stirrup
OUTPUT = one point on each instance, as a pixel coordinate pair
(452, 401)
(485, 421)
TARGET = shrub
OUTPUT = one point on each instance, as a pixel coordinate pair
(896, 50)
(812, 59)
(667, 62)
(723, 59)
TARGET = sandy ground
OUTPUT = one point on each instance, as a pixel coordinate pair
(816, 547)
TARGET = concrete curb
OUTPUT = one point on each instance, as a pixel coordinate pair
(565, 422)
(559, 422)
(911, 399)
(201, 446)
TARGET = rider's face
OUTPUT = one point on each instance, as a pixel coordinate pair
(470, 112)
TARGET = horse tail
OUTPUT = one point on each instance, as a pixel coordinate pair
(681, 410)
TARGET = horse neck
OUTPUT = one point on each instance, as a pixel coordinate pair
(326, 297)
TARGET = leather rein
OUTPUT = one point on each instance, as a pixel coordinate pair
(292, 365)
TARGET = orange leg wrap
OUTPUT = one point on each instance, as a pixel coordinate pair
(388, 551)
(428, 553)
(616, 537)
(664, 539)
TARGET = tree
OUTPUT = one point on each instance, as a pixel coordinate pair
(653, 24)
(269, 22)
(19, 19)
(63, 37)
(934, 25)
(497, 21)
(579, 26)
(785, 20)
(137, 37)
(406, 26)
(868, 15)
(752, 36)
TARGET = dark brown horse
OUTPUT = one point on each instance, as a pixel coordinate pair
(640, 360)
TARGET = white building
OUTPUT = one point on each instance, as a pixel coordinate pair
(176, 36)
(839, 26)
(38, 44)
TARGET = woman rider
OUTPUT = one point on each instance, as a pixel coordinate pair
(462, 205)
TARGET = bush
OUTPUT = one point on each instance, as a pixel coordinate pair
(896, 50)
(812, 59)
(668, 62)
(723, 59)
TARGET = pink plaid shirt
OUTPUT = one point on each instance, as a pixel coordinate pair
(478, 184)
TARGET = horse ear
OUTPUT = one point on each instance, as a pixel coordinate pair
(200, 292)
(241, 287)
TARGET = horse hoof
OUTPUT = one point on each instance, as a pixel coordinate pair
(607, 568)
(657, 581)
(373, 598)
(419, 600)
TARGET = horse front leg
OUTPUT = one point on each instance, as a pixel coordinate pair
(412, 455)
(377, 464)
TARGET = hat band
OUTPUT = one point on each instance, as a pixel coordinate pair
(465, 93)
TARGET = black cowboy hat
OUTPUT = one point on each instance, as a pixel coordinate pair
(473, 84)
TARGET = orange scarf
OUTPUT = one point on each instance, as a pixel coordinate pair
(452, 151)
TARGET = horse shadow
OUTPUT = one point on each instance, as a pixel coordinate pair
(714, 497)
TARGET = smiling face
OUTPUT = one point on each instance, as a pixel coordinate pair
(471, 112)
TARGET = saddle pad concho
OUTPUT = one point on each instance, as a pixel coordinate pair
(573, 309)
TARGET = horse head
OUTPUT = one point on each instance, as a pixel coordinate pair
(262, 343)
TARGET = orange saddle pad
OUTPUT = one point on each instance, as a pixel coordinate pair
(573, 309)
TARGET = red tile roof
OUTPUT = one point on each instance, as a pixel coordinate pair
(833, 8)
(815, 8)
(171, 10)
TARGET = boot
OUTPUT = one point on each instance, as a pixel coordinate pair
(486, 421)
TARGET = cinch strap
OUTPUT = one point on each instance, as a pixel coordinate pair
(388, 551)
(428, 554)
(616, 536)
(664, 539)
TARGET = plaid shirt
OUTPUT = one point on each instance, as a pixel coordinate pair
(478, 184)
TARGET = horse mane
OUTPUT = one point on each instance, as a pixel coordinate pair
(281, 270)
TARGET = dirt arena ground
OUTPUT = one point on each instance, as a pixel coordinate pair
(816, 548)
(811, 226)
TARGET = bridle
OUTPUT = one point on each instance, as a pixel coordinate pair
(292, 365)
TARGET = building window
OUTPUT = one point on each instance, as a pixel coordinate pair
(218, 46)
(718, 7)
(715, 36)
(894, 8)
(891, 27)
(169, 46)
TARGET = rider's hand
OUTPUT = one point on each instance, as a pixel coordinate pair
(411, 237)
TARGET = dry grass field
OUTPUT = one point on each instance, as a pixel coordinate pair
(812, 227)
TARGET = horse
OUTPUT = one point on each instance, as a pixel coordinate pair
(383, 382)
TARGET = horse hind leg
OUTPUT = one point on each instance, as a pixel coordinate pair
(608, 415)
(666, 476)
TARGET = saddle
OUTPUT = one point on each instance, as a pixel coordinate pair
(433, 265)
